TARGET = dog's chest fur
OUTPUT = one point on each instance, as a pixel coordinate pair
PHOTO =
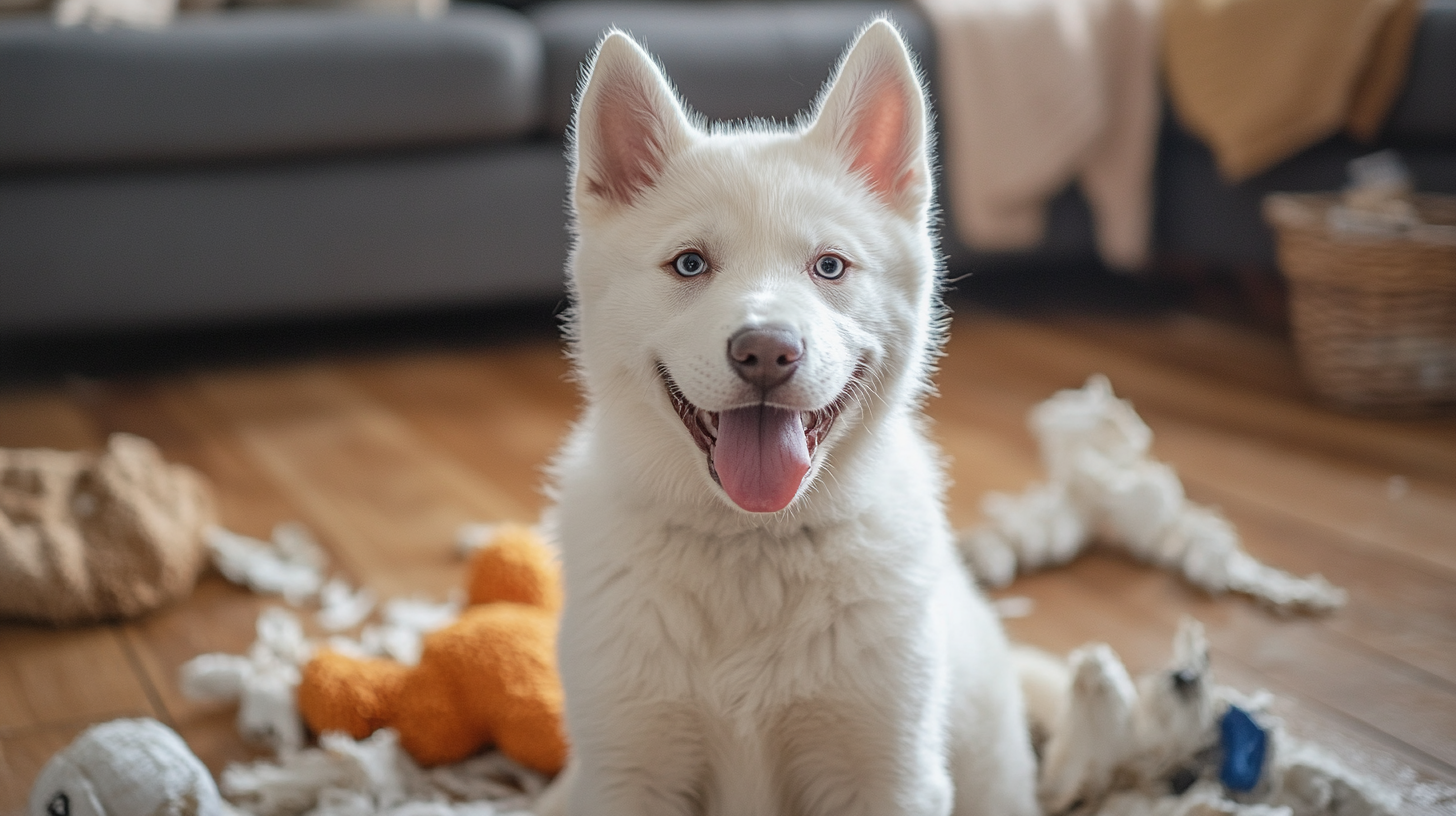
(744, 617)
(749, 634)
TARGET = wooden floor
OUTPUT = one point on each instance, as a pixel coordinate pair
(383, 456)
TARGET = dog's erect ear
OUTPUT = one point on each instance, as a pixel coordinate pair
(874, 115)
(628, 124)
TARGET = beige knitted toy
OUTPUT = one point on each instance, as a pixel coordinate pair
(87, 537)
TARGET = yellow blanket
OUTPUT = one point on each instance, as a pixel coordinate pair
(1260, 80)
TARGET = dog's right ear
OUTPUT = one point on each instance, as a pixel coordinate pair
(628, 124)
(873, 114)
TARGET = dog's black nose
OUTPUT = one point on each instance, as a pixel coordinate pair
(765, 356)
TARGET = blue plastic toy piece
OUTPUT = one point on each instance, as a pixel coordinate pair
(1244, 744)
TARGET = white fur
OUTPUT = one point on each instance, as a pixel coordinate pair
(832, 657)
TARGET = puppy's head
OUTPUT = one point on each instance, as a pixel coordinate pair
(755, 295)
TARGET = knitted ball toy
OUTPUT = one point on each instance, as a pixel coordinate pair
(488, 678)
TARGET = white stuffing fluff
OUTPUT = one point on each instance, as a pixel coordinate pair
(1013, 606)
(473, 536)
(263, 682)
(406, 622)
(1109, 744)
(1103, 486)
(343, 777)
(341, 607)
(290, 565)
(401, 636)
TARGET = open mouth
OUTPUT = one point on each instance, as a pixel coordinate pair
(758, 454)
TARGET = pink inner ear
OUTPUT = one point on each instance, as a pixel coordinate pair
(629, 150)
(878, 138)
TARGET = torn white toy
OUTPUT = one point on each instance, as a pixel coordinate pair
(1174, 743)
(125, 768)
(1102, 486)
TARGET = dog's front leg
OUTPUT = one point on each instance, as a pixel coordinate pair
(639, 760)
(847, 760)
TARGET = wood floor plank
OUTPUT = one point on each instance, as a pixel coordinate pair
(1252, 359)
(217, 616)
(213, 736)
(52, 676)
(1396, 608)
(1322, 489)
(544, 372)
(1415, 521)
(466, 405)
(23, 754)
(1072, 608)
(171, 414)
(390, 500)
(1297, 653)
(982, 461)
(45, 418)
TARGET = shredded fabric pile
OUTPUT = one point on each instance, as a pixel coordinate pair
(264, 680)
(344, 777)
(1103, 487)
(1109, 746)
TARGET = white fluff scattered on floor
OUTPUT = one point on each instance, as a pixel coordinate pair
(1102, 486)
(291, 565)
(400, 635)
(340, 777)
(343, 777)
(262, 682)
(1109, 746)
(342, 607)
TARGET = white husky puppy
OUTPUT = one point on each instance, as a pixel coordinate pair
(765, 612)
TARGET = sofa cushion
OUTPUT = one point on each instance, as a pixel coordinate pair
(730, 60)
(1425, 113)
(265, 83)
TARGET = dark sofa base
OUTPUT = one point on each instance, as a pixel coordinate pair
(106, 249)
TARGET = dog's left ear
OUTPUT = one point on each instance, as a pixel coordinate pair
(874, 115)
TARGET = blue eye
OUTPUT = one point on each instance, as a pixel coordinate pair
(829, 267)
(690, 265)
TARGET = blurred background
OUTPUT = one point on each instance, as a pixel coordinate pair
(184, 172)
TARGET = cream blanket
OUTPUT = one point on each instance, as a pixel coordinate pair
(1037, 93)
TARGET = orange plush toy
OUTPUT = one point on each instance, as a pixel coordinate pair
(488, 678)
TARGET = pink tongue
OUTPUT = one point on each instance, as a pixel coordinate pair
(761, 456)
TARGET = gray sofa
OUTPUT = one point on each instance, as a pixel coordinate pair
(272, 163)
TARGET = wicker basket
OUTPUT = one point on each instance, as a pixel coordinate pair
(1374, 318)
